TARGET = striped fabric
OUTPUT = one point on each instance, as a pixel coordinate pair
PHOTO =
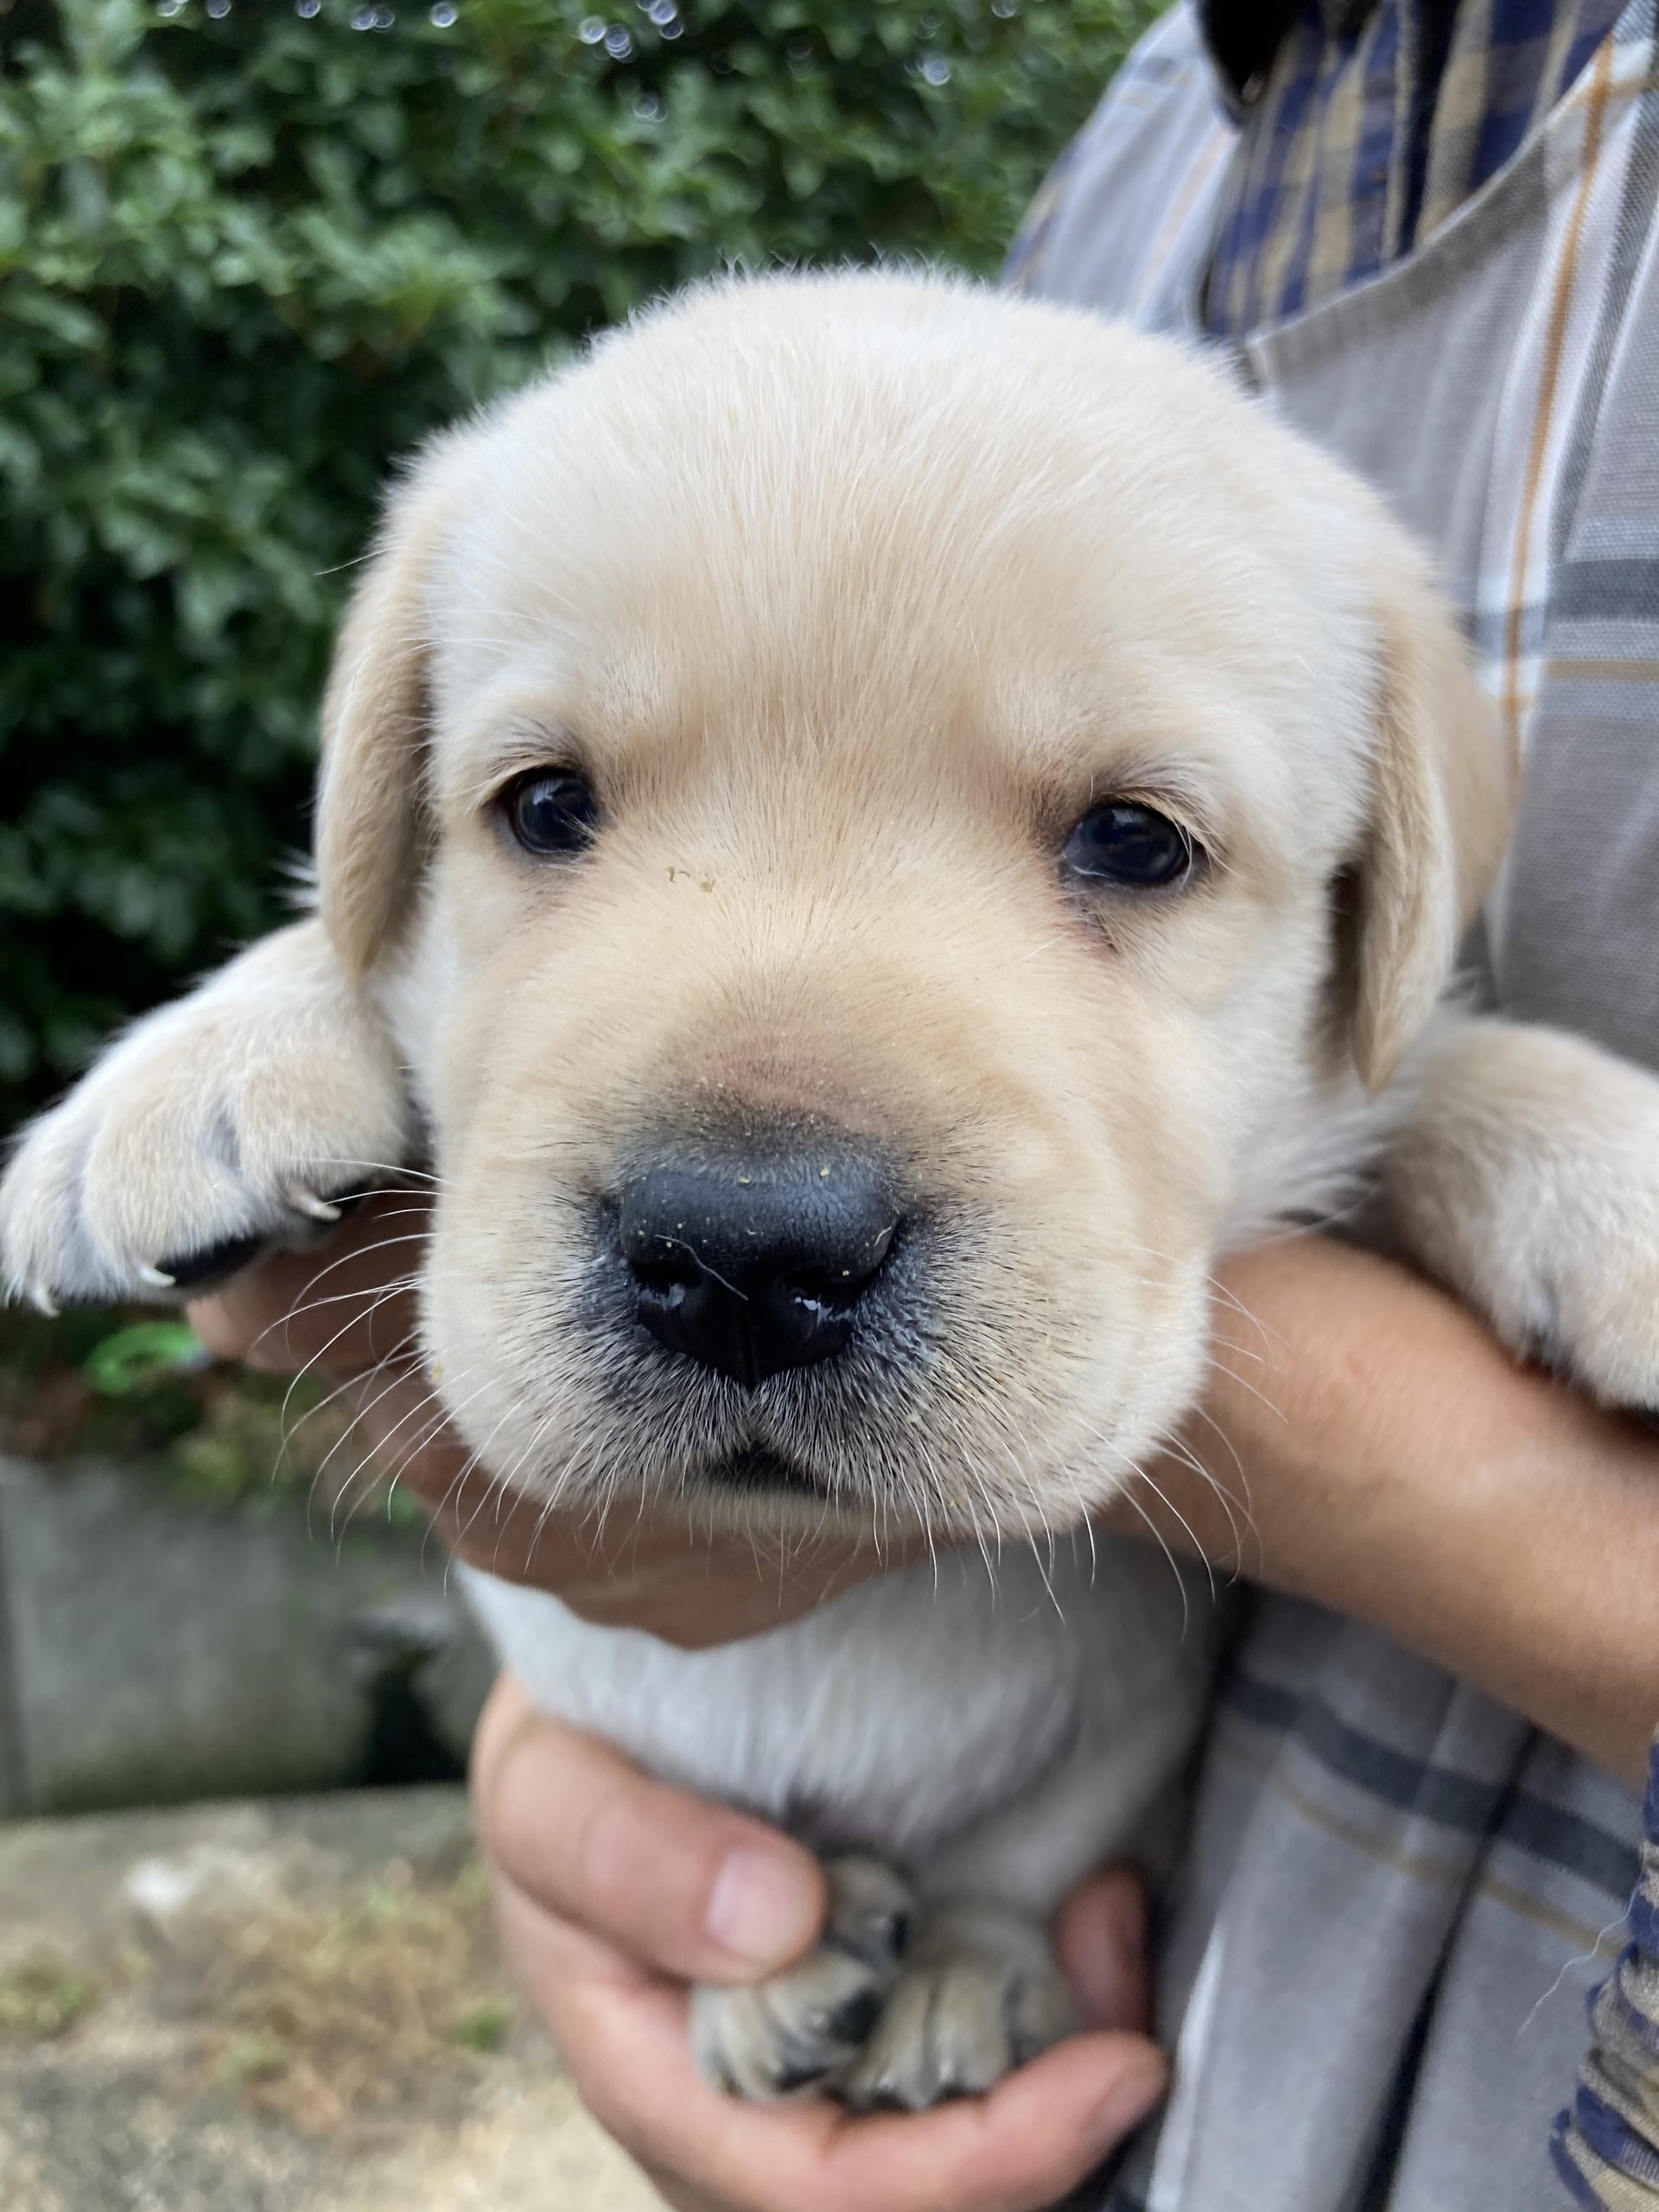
(1606, 2148)
(1360, 145)
(1399, 1897)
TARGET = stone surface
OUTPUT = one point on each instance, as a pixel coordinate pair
(153, 1651)
(276, 2007)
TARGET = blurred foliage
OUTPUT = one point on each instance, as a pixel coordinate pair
(41, 1999)
(130, 1388)
(251, 253)
(141, 1354)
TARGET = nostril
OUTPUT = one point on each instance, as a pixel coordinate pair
(841, 1286)
(818, 1290)
(665, 1272)
(755, 1260)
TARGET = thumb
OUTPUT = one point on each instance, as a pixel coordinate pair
(680, 1886)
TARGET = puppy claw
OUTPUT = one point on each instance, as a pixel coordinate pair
(885, 2027)
(308, 1202)
(802, 2029)
(199, 1139)
(979, 1995)
(1527, 1179)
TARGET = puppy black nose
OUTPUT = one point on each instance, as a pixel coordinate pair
(754, 1259)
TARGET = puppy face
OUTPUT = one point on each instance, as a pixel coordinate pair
(886, 818)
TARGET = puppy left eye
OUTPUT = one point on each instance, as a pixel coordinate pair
(1132, 846)
(550, 811)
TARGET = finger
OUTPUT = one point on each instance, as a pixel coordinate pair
(662, 1574)
(399, 1415)
(342, 1309)
(685, 1887)
(505, 1531)
(688, 1585)
(1101, 1936)
(624, 2039)
(675, 2193)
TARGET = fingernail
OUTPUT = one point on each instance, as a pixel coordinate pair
(1126, 2103)
(764, 1907)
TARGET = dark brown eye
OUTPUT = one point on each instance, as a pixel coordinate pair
(1131, 846)
(551, 811)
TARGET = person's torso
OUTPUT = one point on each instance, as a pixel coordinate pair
(1398, 1892)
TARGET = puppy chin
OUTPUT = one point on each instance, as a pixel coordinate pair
(982, 1433)
(757, 1470)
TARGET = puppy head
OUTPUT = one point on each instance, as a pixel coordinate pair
(886, 818)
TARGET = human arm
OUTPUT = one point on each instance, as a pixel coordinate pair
(1402, 1468)
(1397, 1465)
(1365, 1443)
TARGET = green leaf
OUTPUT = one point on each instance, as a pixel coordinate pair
(133, 1359)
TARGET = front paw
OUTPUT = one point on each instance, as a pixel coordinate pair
(802, 2029)
(1529, 1182)
(979, 1993)
(228, 1121)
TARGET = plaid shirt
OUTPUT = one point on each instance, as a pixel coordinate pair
(1606, 2148)
(1397, 1896)
(1367, 125)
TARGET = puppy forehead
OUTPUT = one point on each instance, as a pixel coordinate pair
(997, 737)
(1048, 555)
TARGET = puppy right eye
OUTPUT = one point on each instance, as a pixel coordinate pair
(551, 812)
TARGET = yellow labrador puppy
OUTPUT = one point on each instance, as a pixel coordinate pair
(867, 832)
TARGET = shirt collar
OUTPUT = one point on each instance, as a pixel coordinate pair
(1244, 39)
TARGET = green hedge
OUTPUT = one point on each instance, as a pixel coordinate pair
(249, 253)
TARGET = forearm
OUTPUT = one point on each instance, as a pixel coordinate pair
(1402, 1469)
(1391, 1462)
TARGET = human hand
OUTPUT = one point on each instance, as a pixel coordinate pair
(612, 1891)
(1238, 1493)
(349, 1316)
(1363, 1442)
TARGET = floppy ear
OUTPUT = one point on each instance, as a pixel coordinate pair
(1443, 800)
(369, 809)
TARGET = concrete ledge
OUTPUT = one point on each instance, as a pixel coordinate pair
(155, 1652)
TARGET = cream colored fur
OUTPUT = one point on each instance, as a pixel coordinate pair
(850, 596)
